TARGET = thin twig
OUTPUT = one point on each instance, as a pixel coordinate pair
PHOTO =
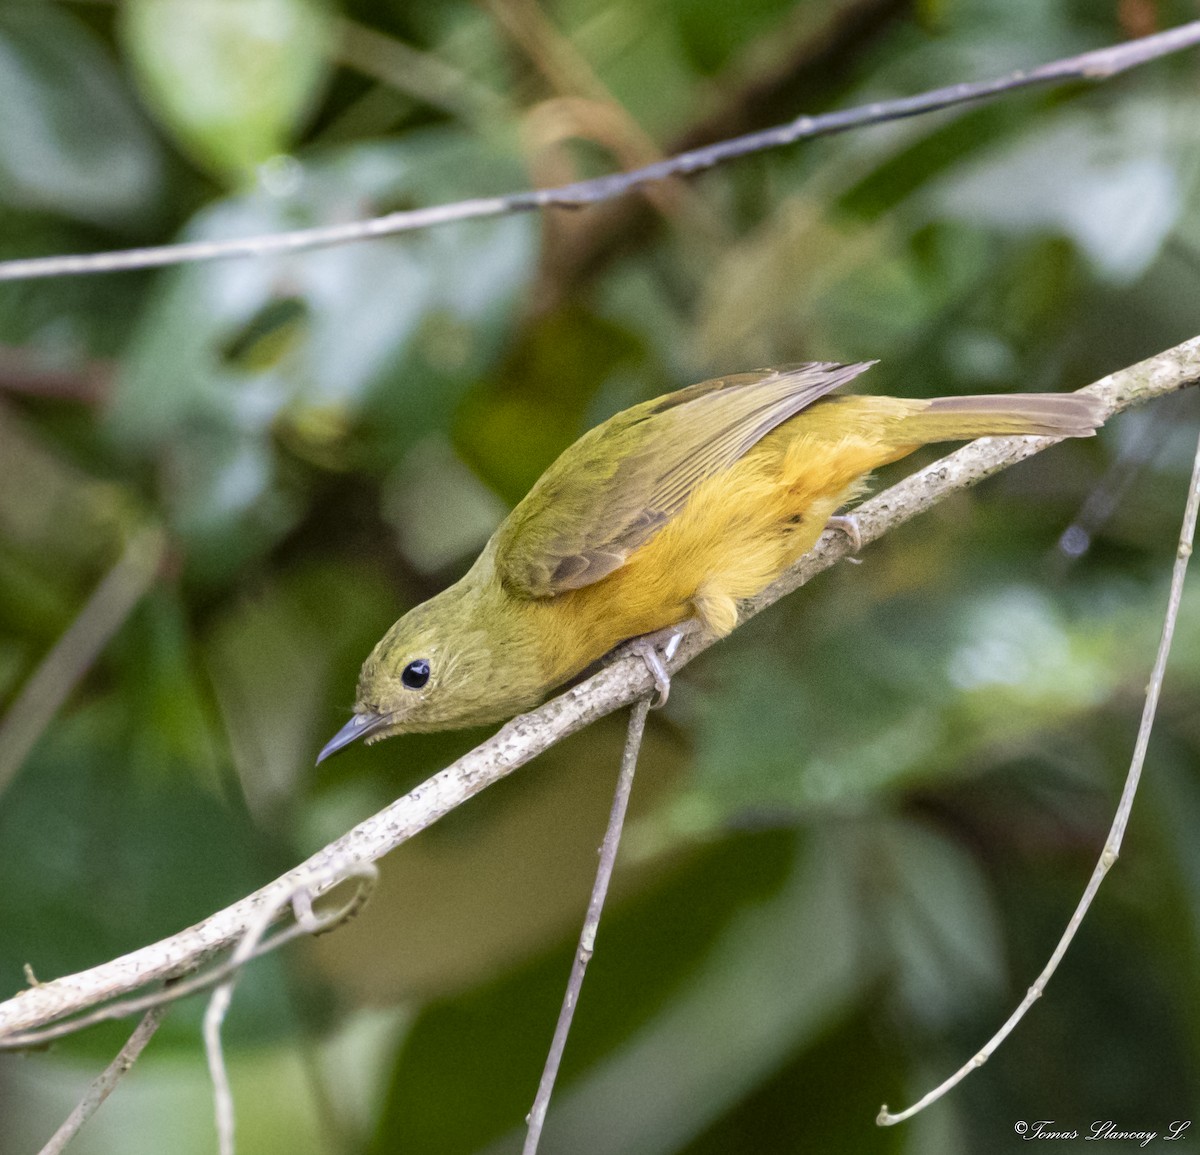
(420, 75)
(782, 67)
(788, 62)
(218, 1005)
(583, 104)
(564, 68)
(1106, 495)
(298, 894)
(105, 611)
(214, 1018)
(525, 737)
(104, 1083)
(1100, 64)
(1116, 834)
(591, 924)
(23, 371)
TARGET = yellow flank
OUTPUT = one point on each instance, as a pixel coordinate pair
(738, 532)
(675, 509)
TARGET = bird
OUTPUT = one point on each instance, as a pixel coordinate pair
(658, 522)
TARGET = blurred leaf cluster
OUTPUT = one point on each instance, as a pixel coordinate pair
(861, 823)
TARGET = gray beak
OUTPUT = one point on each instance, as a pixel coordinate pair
(358, 727)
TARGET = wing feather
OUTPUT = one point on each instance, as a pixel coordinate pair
(612, 490)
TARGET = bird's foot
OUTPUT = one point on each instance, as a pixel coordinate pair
(848, 524)
(657, 649)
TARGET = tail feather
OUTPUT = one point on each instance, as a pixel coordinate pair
(1011, 414)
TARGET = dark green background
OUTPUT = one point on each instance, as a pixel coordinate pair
(862, 821)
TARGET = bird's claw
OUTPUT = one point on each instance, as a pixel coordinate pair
(848, 524)
(647, 648)
(658, 669)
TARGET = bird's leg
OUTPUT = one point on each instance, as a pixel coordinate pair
(657, 649)
(848, 524)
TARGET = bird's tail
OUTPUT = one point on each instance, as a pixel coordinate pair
(1003, 415)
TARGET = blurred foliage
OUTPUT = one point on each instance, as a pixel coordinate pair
(860, 824)
(230, 79)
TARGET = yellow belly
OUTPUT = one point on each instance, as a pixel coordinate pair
(738, 532)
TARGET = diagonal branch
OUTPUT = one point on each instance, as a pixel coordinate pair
(525, 737)
(105, 1083)
(103, 614)
(1097, 65)
(1116, 833)
(536, 1118)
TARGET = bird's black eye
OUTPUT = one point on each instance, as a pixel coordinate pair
(415, 674)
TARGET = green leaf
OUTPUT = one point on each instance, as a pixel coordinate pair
(1114, 184)
(767, 986)
(71, 140)
(96, 861)
(825, 1099)
(700, 987)
(936, 920)
(234, 356)
(513, 427)
(231, 79)
(270, 661)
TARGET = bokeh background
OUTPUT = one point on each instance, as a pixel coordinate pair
(862, 821)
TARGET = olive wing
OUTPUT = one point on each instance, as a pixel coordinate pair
(612, 490)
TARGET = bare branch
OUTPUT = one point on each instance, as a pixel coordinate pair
(105, 1083)
(113, 600)
(813, 46)
(1088, 66)
(525, 737)
(300, 899)
(1116, 834)
(420, 75)
(23, 371)
(591, 924)
(298, 893)
(1105, 496)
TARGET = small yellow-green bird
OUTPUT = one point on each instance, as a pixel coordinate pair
(656, 522)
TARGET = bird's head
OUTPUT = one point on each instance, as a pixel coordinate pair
(450, 662)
